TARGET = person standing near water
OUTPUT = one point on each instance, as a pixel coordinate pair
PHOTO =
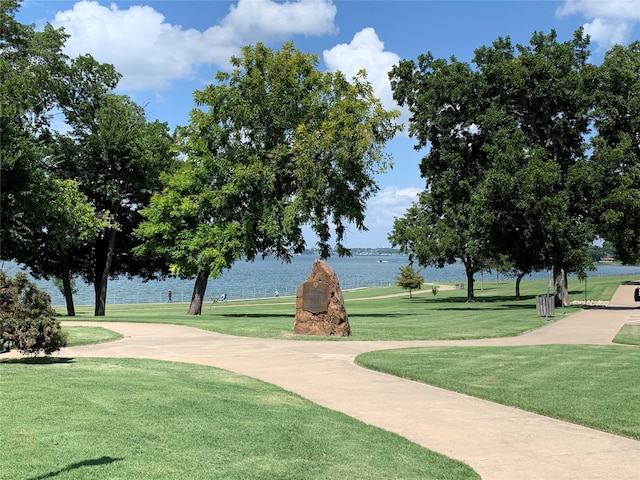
(169, 295)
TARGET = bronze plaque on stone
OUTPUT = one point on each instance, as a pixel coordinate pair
(315, 297)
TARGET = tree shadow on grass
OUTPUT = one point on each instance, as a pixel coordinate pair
(477, 308)
(85, 463)
(380, 315)
(62, 315)
(38, 360)
(232, 316)
(482, 303)
(249, 315)
(480, 300)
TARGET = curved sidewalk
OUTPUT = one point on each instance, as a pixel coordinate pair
(498, 442)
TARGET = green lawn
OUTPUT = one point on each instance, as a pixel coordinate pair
(629, 335)
(143, 419)
(374, 314)
(89, 335)
(95, 418)
(595, 386)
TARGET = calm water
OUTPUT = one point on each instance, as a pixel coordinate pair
(263, 277)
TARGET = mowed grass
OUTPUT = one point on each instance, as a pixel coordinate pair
(382, 313)
(593, 386)
(596, 386)
(629, 335)
(89, 335)
(143, 419)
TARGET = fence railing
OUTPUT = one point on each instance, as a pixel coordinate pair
(121, 297)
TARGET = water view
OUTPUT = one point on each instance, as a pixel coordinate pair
(263, 278)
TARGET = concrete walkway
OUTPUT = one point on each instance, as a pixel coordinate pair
(498, 442)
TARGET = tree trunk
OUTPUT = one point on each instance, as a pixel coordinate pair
(66, 286)
(470, 292)
(199, 289)
(518, 279)
(560, 287)
(100, 284)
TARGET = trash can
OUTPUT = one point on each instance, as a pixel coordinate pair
(545, 305)
(636, 295)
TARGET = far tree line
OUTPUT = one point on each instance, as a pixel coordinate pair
(513, 174)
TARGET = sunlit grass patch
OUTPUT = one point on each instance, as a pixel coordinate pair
(108, 418)
(596, 386)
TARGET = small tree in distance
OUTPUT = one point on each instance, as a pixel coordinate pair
(409, 279)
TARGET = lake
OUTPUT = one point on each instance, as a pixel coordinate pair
(262, 278)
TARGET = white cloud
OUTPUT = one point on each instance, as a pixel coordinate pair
(255, 20)
(390, 203)
(150, 52)
(622, 9)
(611, 21)
(607, 33)
(366, 51)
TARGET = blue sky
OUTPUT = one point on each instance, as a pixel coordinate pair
(166, 49)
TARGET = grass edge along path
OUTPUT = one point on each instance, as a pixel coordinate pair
(120, 419)
(594, 386)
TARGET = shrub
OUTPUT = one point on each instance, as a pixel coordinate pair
(27, 321)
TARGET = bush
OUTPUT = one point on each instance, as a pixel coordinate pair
(27, 321)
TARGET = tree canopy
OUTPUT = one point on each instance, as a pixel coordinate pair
(30, 69)
(506, 172)
(276, 145)
(70, 200)
(449, 114)
(616, 150)
(117, 156)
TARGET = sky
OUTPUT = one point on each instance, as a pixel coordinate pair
(167, 49)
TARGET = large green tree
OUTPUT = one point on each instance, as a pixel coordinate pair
(539, 191)
(276, 145)
(69, 221)
(616, 150)
(117, 156)
(42, 217)
(449, 111)
(505, 171)
(31, 67)
(65, 218)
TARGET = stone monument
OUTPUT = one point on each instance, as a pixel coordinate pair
(320, 305)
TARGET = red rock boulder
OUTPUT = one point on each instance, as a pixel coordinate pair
(320, 304)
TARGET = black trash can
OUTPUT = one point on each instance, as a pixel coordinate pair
(636, 295)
